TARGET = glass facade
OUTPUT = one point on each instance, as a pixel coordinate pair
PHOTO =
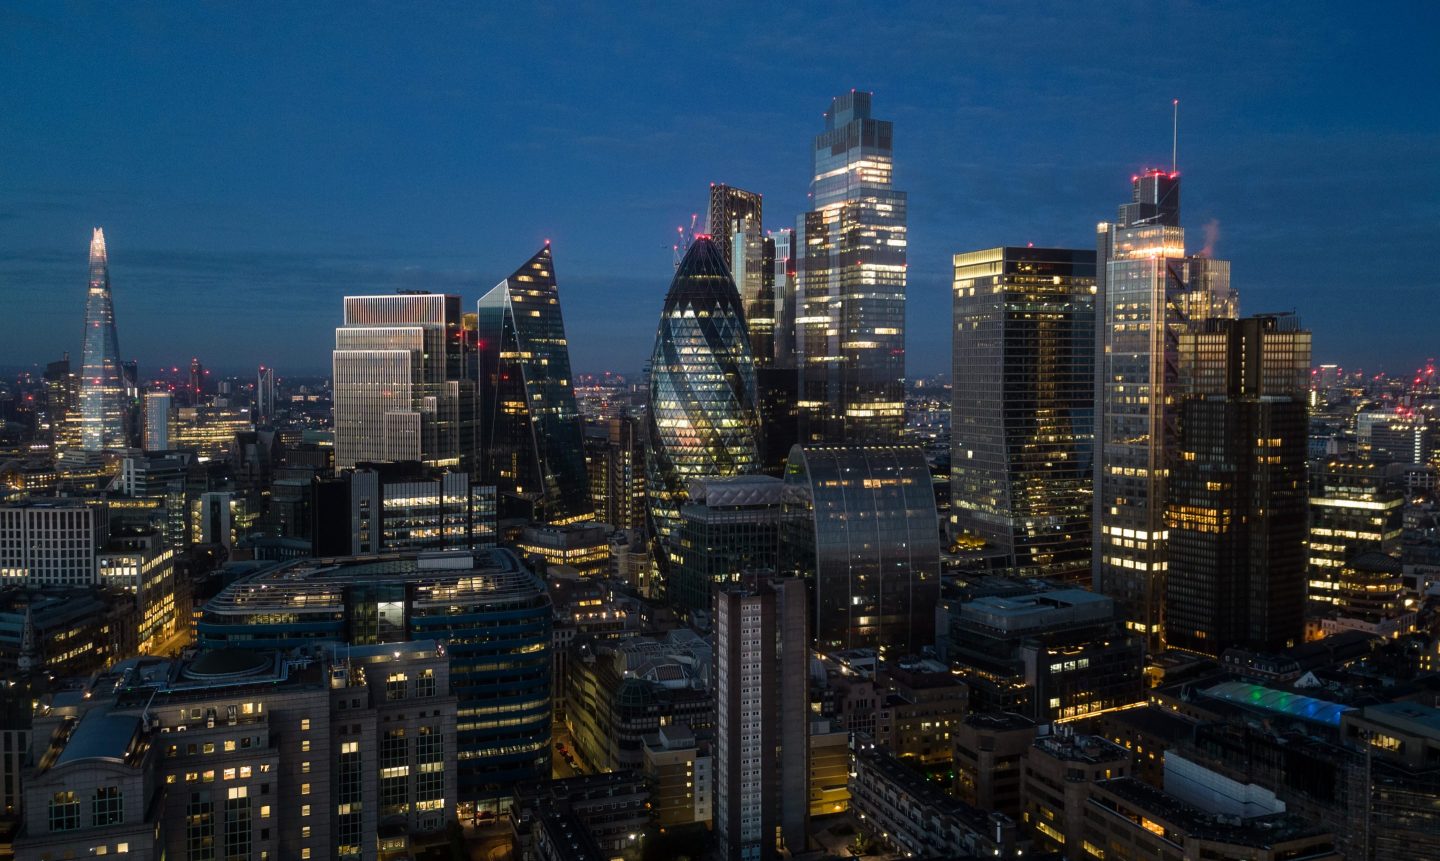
(403, 384)
(860, 522)
(729, 527)
(1237, 494)
(531, 431)
(1023, 408)
(103, 406)
(1352, 512)
(850, 300)
(1148, 292)
(703, 419)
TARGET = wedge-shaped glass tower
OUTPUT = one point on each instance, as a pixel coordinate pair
(703, 417)
(102, 388)
(532, 438)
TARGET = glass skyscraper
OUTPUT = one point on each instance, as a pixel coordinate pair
(403, 383)
(103, 406)
(1237, 496)
(860, 522)
(1023, 407)
(703, 419)
(1148, 294)
(531, 432)
(850, 320)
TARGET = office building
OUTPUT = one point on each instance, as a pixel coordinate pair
(247, 755)
(917, 819)
(679, 769)
(65, 631)
(157, 421)
(1023, 408)
(729, 527)
(703, 419)
(762, 722)
(208, 431)
(591, 817)
(265, 402)
(50, 542)
(530, 428)
(860, 522)
(1237, 487)
(622, 473)
(620, 691)
(491, 611)
(1352, 511)
(1044, 651)
(1056, 775)
(103, 408)
(393, 507)
(731, 208)
(1148, 292)
(143, 564)
(1125, 818)
(850, 288)
(403, 382)
(581, 547)
(829, 768)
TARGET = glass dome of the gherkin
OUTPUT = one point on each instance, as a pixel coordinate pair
(703, 418)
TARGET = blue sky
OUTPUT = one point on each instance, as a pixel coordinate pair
(253, 163)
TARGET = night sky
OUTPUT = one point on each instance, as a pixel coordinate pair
(250, 167)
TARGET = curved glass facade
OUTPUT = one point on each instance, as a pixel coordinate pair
(860, 521)
(102, 387)
(703, 418)
(531, 432)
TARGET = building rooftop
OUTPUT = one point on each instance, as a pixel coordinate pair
(1020, 613)
(1260, 831)
(1081, 748)
(1407, 717)
(100, 736)
(1279, 702)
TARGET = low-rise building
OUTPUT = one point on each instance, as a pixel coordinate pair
(990, 750)
(1125, 818)
(908, 813)
(247, 754)
(829, 768)
(679, 771)
(1057, 774)
(574, 817)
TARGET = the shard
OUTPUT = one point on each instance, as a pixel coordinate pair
(531, 431)
(102, 385)
(703, 417)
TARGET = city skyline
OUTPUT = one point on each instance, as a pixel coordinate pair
(272, 218)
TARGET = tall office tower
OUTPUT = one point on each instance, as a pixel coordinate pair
(157, 421)
(703, 419)
(102, 386)
(1023, 407)
(624, 473)
(729, 207)
(1147, 294)
(195, 385)
(531, 432)
(782, 261)
(62, 405)
(265, 397)
(394, 507)
(850, 320)
(1237, 495)
(761, 698)
(403, 382)
(860, 522)
(1352, 512)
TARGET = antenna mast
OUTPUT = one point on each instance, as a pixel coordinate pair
(1174, 134)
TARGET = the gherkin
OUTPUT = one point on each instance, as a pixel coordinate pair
(703, 417)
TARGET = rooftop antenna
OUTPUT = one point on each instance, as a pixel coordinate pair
(1174, 134)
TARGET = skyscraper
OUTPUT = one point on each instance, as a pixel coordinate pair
(403, 383)
(761, 697)
(157, 421)
(850, 320)
(102, 386)
(860, 522)
(1148, 292)
(530, 428)
(1353, 511)
(265, 397)
(1237, 495)
(703, 419)
(1023, 407)
(730, 206)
